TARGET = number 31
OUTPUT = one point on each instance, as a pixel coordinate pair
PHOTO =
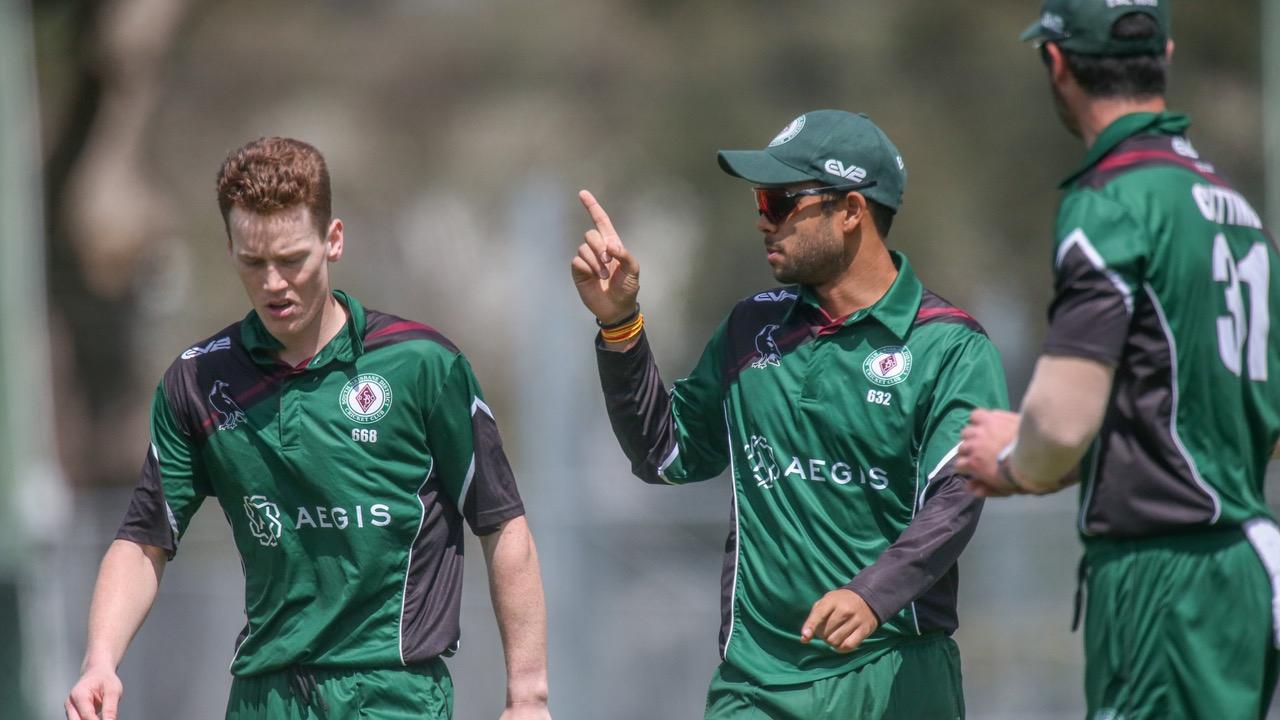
(1236, 333)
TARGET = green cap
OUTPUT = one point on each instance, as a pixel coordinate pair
(1084, 26)
(832, 147)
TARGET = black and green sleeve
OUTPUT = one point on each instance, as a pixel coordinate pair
(671, 437)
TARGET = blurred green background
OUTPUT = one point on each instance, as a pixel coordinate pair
(457, 133)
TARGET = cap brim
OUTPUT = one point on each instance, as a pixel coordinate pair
(1036, 31)
(760, 167)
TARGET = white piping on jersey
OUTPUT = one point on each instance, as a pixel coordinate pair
(1088, 493)
(675, 451)
(247, 624)
(404, 593)
(915, 620)
(1173, 411)
(1077, 238)
(168, 511)
(466, 483)
(173, 522)
(476, 403)
(671, 457)
(737, 535)
(928, 480)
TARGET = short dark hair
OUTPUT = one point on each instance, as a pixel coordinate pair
(881, 215)
(1131, 76)
(272, 174)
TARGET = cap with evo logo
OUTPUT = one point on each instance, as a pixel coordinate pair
(1084, 26)
(834, 148)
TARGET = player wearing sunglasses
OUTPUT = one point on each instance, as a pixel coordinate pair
(836, 403)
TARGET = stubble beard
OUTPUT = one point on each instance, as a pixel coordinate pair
(813, 260)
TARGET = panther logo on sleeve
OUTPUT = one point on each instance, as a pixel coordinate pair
(222, 402)
(770, 353)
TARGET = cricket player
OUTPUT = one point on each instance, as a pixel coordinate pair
(836, 402)
(1158, 387)
(348, 449)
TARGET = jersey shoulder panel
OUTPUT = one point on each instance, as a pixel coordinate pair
(212, 376)
(936, 310)
(765, 308)
(1164, 154)
(771, 304)
(757, 327)
(384, 330)
(228, 338)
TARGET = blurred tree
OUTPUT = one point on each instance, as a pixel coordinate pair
(104, 216)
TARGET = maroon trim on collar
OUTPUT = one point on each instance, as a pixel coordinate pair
(397, 327)
(1129, 158)
(826, 324)
(927, 314)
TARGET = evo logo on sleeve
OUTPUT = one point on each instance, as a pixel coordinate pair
(222, 343)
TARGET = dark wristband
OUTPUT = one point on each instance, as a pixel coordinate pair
(619, 323)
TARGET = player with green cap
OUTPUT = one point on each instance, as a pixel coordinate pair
(1158, 388)
(836, 402)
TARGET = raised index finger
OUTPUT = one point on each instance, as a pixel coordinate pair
(598, 215)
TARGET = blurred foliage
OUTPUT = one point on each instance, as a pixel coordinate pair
(435, 113)
(457, 133)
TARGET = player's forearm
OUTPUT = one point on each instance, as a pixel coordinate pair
(639, 407)
(515, 584)
(923, 553)
(1061, 414)
(128, 581)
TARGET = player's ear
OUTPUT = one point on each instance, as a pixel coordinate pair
(1057, 62)
(333, 241)
(856, 211)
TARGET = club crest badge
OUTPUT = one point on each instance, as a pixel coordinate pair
(366, 398)
(789, 132)
(888, 365)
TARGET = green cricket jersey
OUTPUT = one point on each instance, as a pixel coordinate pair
(1165, 272)
(840, 437)
(346, 482)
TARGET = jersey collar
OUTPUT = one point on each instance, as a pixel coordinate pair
(1125, 127)
(346, 346)
(896, 310)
